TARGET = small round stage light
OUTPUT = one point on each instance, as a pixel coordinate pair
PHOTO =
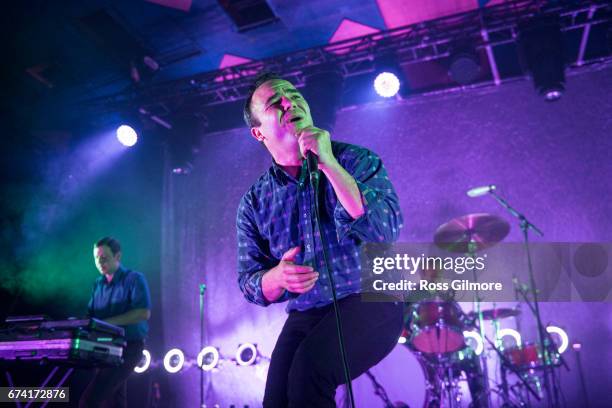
(386, 84)
(126, 135)
(145, 362)
(512, 333)
(208, 358)
(174, 360)
(476, 337)
(246, 354)
(402, 340)
(562, 334)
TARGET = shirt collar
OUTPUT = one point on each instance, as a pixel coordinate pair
(283, 177)
(116, 276)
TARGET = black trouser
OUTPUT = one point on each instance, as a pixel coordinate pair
(306, 367)
(108, 387)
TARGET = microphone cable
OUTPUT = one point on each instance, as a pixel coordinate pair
(314, 184)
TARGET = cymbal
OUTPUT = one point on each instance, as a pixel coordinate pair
(495, 314)
(471, 232)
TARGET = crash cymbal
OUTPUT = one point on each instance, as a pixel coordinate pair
(496, 314)
(471, 232)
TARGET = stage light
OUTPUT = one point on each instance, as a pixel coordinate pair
(174, 360)
(402, 340)
(541, 45)
(479, 343)
(208, 358)
(464, 65)
(512, 333)
(126, 135)
(386, 84)
(246, 354)
(145, 362)
(562, 334)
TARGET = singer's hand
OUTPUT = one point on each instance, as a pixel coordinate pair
(313, 139)
(287, 275)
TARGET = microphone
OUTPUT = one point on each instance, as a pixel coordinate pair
(313, 166)
(478, 191)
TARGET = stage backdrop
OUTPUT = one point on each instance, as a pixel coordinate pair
(553, 161)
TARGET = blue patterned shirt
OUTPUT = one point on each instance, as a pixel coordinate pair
(275, 215)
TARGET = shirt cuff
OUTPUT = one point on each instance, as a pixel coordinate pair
(259, 297)
(343, 220)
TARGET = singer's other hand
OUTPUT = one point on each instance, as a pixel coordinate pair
(313, 139)
(292, 277)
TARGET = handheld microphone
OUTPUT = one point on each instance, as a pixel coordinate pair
(313, 166)
(478, 191)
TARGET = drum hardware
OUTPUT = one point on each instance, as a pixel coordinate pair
(469, 234)
(496, 314)
(380, 391)
(550, 381)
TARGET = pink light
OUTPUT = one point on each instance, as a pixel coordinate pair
(346, 30)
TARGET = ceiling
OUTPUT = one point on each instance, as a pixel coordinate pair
(62, 53)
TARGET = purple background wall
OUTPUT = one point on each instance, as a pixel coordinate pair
(553, 161)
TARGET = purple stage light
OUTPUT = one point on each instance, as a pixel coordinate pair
(126, 135)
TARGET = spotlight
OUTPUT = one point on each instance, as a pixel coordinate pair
(476, 337)
(402, 340)
(246, 354)
(145, 362)
(464, 66)
(541, 44)
(386, 84)
(562, 334)
(174, 360)
(208, 358)
(126, 135)
(512, 333)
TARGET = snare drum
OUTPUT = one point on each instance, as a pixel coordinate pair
(437, 327)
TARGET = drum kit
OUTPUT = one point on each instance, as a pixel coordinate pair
(439, 332)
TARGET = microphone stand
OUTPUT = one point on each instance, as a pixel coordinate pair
(314, 174)
(526, 225)
(202, 291)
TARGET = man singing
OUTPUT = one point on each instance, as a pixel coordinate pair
(120, 297)
(280, 253)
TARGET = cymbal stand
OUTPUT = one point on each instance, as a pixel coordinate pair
(550, 343)
(552, 396)
(379, 390)
(506, 363)
(478, 309)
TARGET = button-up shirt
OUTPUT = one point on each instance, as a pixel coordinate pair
(277, 212)
(127, 290)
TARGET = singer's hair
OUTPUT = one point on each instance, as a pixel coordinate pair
(250, 120)
(110, 242)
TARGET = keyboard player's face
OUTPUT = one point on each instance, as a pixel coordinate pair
(106, 262)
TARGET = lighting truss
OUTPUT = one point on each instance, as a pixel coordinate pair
(430, 40)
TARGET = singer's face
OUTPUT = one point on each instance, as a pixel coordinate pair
(282, 112)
